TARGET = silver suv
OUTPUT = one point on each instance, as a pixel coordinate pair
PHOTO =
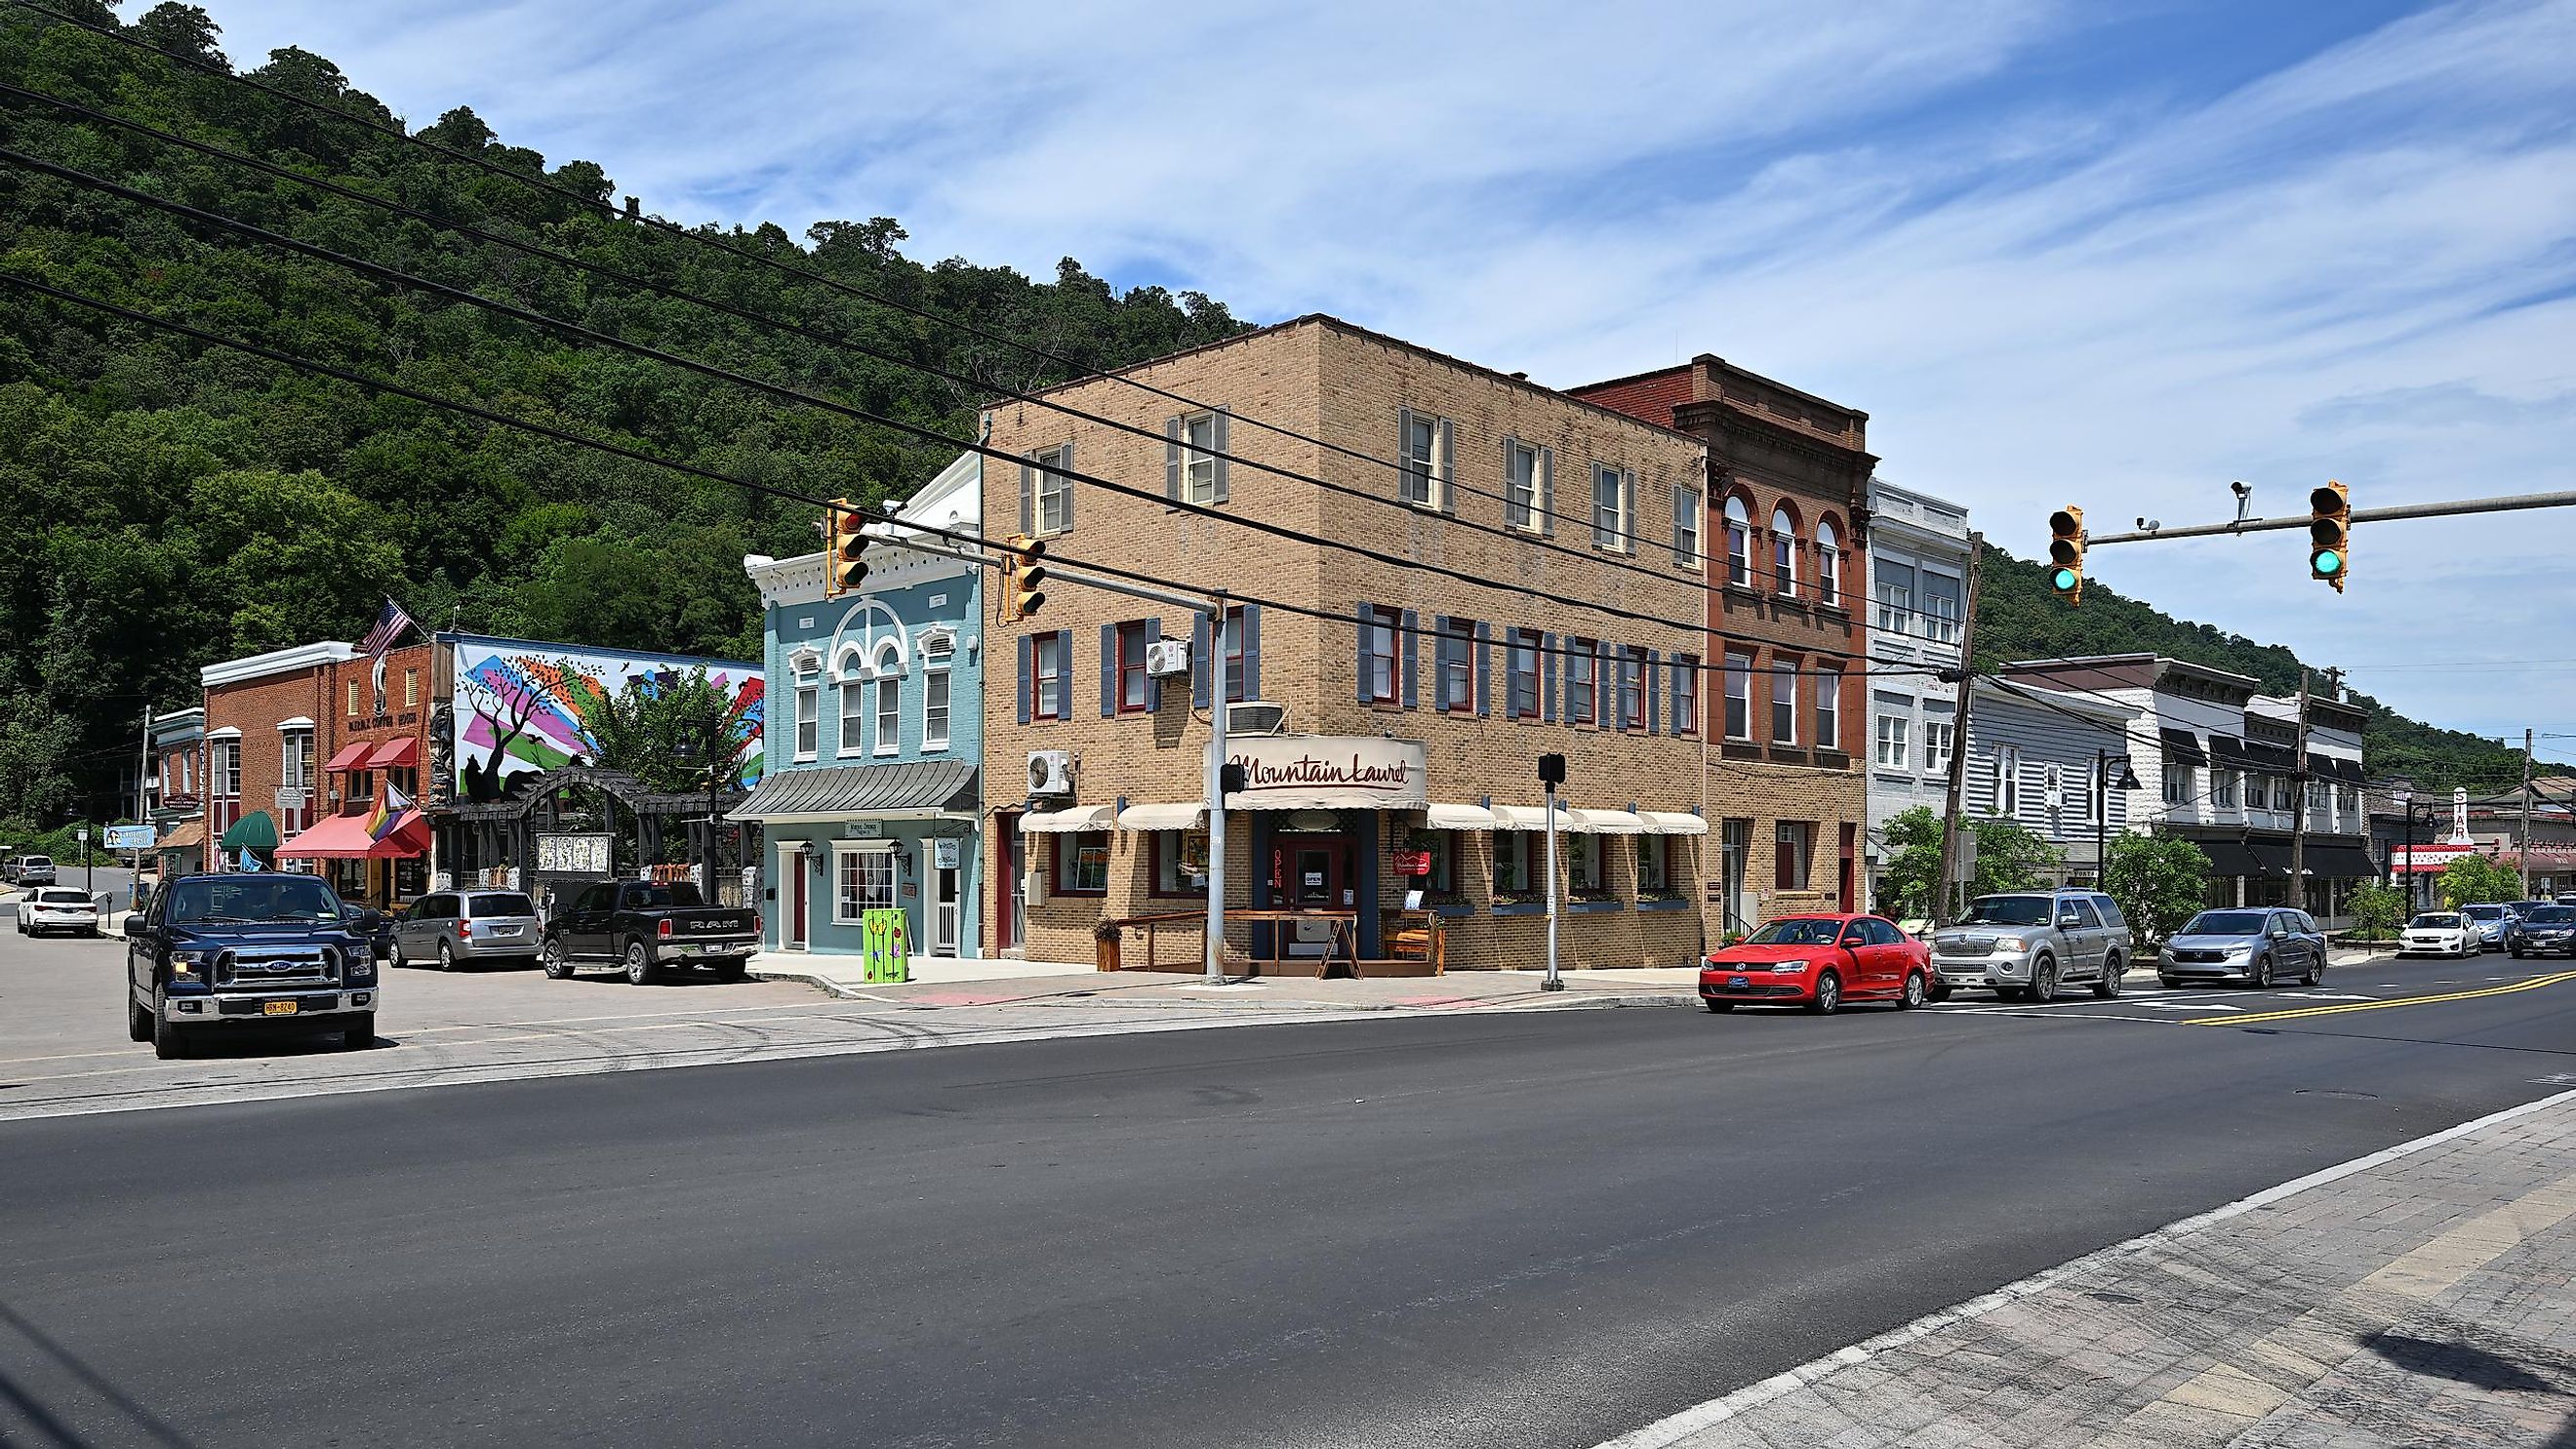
(2027, 944)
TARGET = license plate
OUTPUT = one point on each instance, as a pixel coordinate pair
(1737, 983)
(277, 1008)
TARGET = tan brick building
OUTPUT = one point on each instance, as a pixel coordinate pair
(1786, 782)
(1416, 704)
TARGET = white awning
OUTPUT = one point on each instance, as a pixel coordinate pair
(1609, 822)
(1066, 822)
(1534, 817)
(1457, 817)
(1163, 817)
(1673, 822)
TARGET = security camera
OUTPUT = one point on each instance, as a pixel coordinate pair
(2241, 489)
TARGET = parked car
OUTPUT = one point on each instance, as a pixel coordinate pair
(2253, 944)
(2490, 921)
(2547, 931)
(35, 870)
(57, 908)
(455, 928)
(641, 927)
(223, 952)
(2440, 933)
(2027, 944)
(1818, 962)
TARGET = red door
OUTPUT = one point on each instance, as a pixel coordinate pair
(1862, 969)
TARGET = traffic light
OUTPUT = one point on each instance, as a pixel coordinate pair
(2330, 534)
(1022, 577)
(2066, 554)
(845, 529)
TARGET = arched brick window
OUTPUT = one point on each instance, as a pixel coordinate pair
(1784, 552)
(1739, 542)
(1829, 564)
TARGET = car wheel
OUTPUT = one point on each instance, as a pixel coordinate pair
(138, 1022)
(167, 1042)
(2315, 973)
(2043, 981)
(1915, 992)
(1719, 1006)
(556, 965)
(2113, 968)
(2261, 976)
(1829, 995)
(639, 964)
(394, 956)
(446, 957)
(360, 1033)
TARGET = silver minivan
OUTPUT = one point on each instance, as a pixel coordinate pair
(452, 928)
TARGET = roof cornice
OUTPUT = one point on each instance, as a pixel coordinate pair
(276, 661)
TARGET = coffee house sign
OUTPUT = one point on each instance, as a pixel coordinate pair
(1328, 772)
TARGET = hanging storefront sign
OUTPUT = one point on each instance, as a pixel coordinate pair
(1328, 772)
(573, 854)
(945, 853)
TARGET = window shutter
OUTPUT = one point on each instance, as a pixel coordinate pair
(1547, 492)
(1367, 620)
(1064, 687)
(1223, 488)
(1153, 686)
(1653, 666)
(1199, 636)
(1404, 456)
(1172, 435)
(1251, 640)
(1547, 678)
(1108, 670)
(1510, 446)
(1627, 510)
(1028, 496)
(1412, 637)
(1028, 667)
(1445, 500)
(1068, 502)
(1484, 668)
(1604, 680)
(1682, 547)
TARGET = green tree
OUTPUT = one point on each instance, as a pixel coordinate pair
(2010, 857)
(2376, 911)
(661, 729)
(2474, 879)
(2159, 880)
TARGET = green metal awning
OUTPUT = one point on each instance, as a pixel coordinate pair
(257, 831)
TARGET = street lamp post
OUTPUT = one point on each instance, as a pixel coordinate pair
(2406, 802)
(2103, 785)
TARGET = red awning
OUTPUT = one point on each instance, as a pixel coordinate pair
(347, 758)
(399, 754)
(344, 837)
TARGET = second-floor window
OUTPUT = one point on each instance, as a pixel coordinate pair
(2177, 784)
(1739, 695)
(1525, 500)
(1894, 748)
(1609, 508)
(1937, 737)
(223, 769)
(889, 715)
(354, 687)
(1739, 544)
(2280, 792)
(1135, 691)
(1686, 524)
(1521, 663)
(1784, 702)
(1895, 598)
(934, 709)
(1829, 709)
(1052, 506)
(854, 713)
(1784, 554)
(1046, 683)
(1425, 480)
(1198, 458)
(808, 720)
(2222, 788)
(2008, 782)
(1457, 666)
(1383, 630)
(1940, 607)
(1829, 566)
(1686, 695)
(1582, 683)
(1237, 643)
(1632, 688)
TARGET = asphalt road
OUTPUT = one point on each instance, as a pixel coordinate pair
(1491, 1230)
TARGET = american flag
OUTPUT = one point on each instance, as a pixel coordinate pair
(388, 627)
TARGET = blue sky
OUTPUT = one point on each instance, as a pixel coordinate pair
(2112, 255)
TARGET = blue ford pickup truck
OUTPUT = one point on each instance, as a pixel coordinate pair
(221, 952)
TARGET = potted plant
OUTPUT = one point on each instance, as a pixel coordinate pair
(1104, 940)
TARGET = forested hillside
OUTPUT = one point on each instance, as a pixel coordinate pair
(2019, 618)
(170, 503)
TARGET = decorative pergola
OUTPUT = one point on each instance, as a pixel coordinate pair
(563, 826)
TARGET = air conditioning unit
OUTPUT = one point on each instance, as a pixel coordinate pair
(1050, 773)
(1255, 717)
(1165, 658)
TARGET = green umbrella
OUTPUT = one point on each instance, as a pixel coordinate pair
(257, 830)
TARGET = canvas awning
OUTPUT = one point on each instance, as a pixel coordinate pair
(345, 837)
(1190, 816)
(255, 831)
(2228, 860)
(1609, 822)
(1437, 816)
(1069, 821)
(399, 754)
(911, 788)
(2182, 746)
(2228, 750)
(1532, 817)
(347, 758)
(2341, 862)
(1673, 822)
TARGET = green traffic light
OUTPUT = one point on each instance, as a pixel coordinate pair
(2326, 561)
(2063, 581)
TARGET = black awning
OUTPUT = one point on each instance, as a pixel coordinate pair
(2341, 862)
(2229, 750)
(2270, 858)
(2227, 859)
(2183, 747)
(2279, 759)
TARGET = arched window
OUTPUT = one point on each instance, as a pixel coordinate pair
(1829, 564)
(1739, 543)
(1784, 552)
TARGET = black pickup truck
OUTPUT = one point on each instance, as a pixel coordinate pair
(214, 953)
(640, 928)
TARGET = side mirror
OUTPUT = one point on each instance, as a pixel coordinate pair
(371, 921)
(137, 926)
(2070, 922)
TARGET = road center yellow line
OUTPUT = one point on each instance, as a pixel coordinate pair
(2534, 984)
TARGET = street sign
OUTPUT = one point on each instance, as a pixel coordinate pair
(131, 837)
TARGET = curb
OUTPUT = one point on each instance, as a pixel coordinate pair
(1530, 1001)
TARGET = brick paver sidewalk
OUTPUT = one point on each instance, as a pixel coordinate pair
(2424, 1299)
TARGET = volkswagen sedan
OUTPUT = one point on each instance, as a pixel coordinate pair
(1818, 962)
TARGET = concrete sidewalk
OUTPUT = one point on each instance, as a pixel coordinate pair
(2421, 1296)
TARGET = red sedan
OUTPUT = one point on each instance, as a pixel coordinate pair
(1818, 962)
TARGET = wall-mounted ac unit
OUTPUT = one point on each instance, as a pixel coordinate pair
(1165, 658)
(1050, 773)
(1255, 717)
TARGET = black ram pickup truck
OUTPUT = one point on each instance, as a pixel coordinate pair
(640, 928)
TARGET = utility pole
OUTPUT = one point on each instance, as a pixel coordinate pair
(143, 810)
(1958, 785)
(2299, 804)
(2524, 854)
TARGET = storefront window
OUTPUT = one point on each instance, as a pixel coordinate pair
(1082, 863)
(1519, 855)
(863, 881)
(1653, 877)
(1180, 863)
(1583, 863)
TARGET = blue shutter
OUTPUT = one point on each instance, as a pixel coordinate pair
(1367, 619)
(1251, 617)
(1547, 678)
(1064, 686)
(1108, 670)
(1605, 661)
(1652, 666)
(1484, 668)
(1028, 667)
(1198, 661)
(1412, 638)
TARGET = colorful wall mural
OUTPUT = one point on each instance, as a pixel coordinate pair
(520, 707)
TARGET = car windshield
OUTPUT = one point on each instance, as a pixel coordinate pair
(2483, 913)
(252, 900)
(499, 903)
(2007, 911)
(2552, 916)
(2225, 923)
(1796, 931)
(2434, 921)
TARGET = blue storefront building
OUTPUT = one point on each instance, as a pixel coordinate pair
(871, 799)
